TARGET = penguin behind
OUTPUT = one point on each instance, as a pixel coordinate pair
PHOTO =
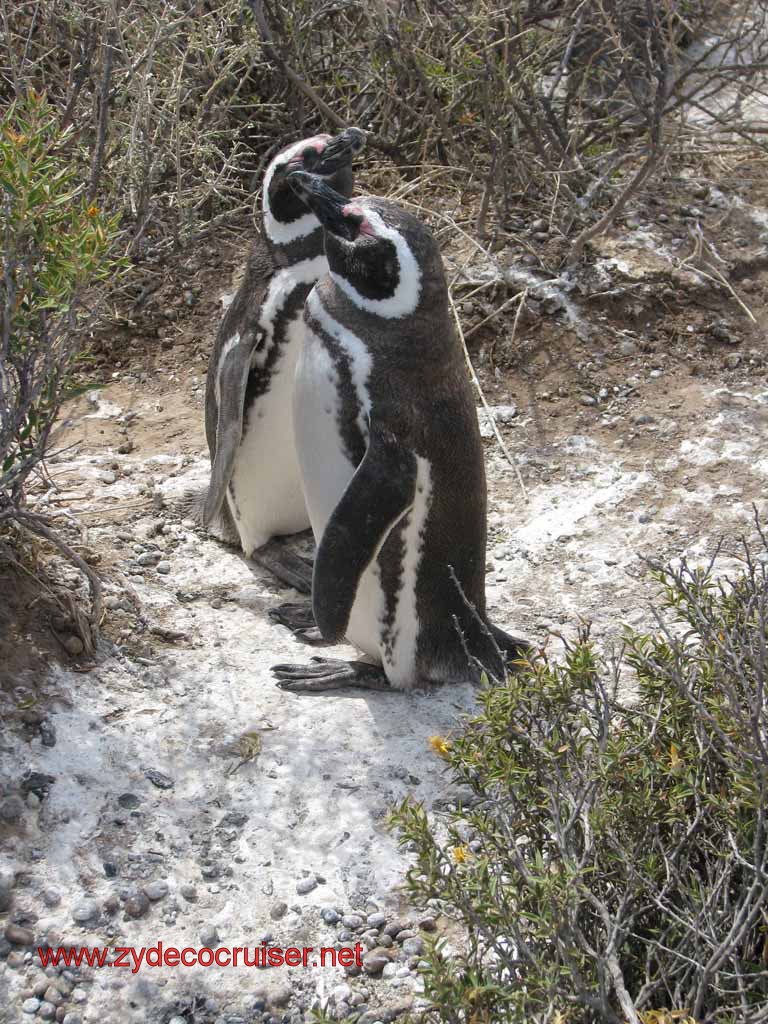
(391, 459)
(255, 491)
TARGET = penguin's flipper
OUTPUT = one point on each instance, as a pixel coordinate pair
(377, 497)
(233, 376)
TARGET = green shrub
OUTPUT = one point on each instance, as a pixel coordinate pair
(53, 245)
(611, 862)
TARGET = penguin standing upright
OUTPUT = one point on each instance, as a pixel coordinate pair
(255, 491)
(391, 459)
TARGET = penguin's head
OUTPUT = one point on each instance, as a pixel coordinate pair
(384, 259)
(286, 217)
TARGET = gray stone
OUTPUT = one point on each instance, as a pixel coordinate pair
(353, 921)
(627, 348)
(159, 779)
(189, 892)
(329, 915)
(30, 1005)
(732, 361)
(376, 920)
(46, 1011)
(414, 946)
(278, 910)
(84, 911)
(587, 400)
(209, 936)
(6, 890)
(149, 558)
(73, 645)
(281, 996)
(72, 1018)
(386, 940)
(406, 933)
(19, 936)
(395, 927)
(12, 808)
(156, 890)
(428, 924)
(306, 885)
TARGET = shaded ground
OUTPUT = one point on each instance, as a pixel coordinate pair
(174, 758)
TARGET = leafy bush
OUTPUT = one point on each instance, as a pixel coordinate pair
(54, 244)
(611, 862)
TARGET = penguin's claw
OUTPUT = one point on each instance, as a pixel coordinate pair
(329, 674)
(298, 617)
(288, 567)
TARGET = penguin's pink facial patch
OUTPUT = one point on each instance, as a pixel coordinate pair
(316, 143)
(353, 210)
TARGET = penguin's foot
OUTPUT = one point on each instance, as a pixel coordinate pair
(327, 674)
(287, 566)
(299, 618)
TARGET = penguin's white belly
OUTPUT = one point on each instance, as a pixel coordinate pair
(326, 470)
(268, 496)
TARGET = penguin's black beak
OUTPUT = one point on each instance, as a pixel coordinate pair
(340, 151)
(327, 205)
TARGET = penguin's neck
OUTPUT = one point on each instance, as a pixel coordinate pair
(303, 247)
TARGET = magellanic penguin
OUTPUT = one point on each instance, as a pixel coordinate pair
(255, 491)
(391, 459)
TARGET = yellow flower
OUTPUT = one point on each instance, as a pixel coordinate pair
(460, 854)
(439, 745)
(93, 211)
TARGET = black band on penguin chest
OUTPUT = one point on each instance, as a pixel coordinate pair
(349, 405)
(260, 377)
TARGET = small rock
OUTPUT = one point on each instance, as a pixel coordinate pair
(627, 348)
(209, 936)
(156, 890)
(6, 889)
(732, 361)
(376, 920)
(643, 420)
(428, 924)
(278, 910)
(306, 885)
(656, 374)
(353, 921)
(177, 1020)
(539, 225)
(281, 996)
(587, 400)
(19, 936)
(87, 910)
(12, 808)
(48, 738)
(163, 568)
(414, 946)
(73, 645)
(110, 869)
(52, 995)
(406, 933)
(15, 960)
(149, 558)
(159, 779)
(389, 971)
(72, 1018)
(395, 927)
(386, 940)
(108, 477)
(136, 905)
(329, 915)
(129, 801)
(30, 1005)
(375, 961)
(189, 892)
(46, 1011)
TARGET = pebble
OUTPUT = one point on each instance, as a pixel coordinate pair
(386, 940)
(406, 933)
(19, 936)
(163, 567)
(52, 995)
(85, 911)
(189, 892)
(428, 924)
(278, 910)
(353, 921)
(136, 905)
(159, 779)
(209, 936)
(6, 890)
(156, 890)
(395, 927)
(108, 477)
(149, 558)
(375, 961)
(627, 348)
(72, 1018)
(129, 801)
(40, 987)
(15, 960)
(376, 920)
(732, 361)
(48, 739)
(389, 970)
(341, 994)
(30, 1005)
(306, 885)
(12, 808)
(47, 1011)
(414, 946)
(281, 996)
(73, 645)
(656, 373)
(330, 916)
(587, 400)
